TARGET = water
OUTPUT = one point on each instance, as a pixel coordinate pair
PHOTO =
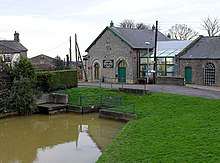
(64, 138)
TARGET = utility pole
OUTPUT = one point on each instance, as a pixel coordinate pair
(70, 59)
(67, 61)
(76, 50)
(155, 53)
(79, 57)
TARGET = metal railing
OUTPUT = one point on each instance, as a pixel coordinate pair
(113, 83)
(102, 101)
(119, 105)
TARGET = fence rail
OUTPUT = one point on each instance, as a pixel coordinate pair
(114, 103)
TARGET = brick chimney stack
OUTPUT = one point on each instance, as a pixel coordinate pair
(16, 37)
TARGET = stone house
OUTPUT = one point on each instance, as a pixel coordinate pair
(44, 62)
(114, 56)
(199, 62)
(11, 50)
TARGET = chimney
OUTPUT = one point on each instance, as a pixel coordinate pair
(153, 28)
(111, 24)
(16, 37)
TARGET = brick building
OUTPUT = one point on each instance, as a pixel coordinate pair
(199, 62)
(114, 55)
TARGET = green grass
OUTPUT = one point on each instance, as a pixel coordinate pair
(168, 128)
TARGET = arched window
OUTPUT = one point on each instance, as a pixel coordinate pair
(122, 64)
(209, 74)
(96, 73)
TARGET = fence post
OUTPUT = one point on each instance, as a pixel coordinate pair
(120, 104)
(80, 100)
(145, 84)
(122, 84)
(133, 108)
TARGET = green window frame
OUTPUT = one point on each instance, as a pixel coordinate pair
(96, 71)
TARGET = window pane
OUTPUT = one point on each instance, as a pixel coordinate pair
(170, 68)
(160, 60)
(210, 74)
(170, 60)
(161, 70)
(143, 67)
(143, 61)
(151, 60)
(170, 74)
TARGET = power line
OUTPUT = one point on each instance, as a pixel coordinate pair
(55, 47)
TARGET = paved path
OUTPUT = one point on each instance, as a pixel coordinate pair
(183, 90)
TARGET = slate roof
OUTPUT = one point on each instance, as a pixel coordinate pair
(205, 47)
(135, 38)
(42, 56)
(10, 46)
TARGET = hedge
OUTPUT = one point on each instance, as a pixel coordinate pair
(48, 81)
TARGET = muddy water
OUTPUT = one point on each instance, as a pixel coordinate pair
(65, 138)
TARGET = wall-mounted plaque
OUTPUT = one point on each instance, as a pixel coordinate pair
(108, 63)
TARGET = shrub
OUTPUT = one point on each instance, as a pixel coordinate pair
(20, 97)
(54, 80)
(23, 69)
(44, 81)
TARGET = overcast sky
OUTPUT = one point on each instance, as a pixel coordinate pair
(45, 25)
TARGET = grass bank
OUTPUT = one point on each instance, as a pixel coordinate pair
(169, 128)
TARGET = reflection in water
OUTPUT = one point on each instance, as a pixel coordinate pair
(60, 138)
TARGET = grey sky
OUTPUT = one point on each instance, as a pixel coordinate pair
(45, 25)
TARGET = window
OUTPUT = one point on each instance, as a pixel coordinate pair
(96, 70)
(122, 64)
(209, 74)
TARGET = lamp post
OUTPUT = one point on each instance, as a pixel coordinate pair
(148, 55)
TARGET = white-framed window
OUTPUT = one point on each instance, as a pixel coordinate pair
(209, 74)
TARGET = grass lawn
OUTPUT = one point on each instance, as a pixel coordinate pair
(168, 128)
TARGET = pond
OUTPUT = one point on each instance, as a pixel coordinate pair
(63, 138)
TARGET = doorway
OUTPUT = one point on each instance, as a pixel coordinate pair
(122, 71)
(188, 74)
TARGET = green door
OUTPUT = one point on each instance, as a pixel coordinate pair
(122, 74)
(188, 74)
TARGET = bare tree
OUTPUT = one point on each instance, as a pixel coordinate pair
(211, 25)
(142, 26)
(182, 32)
(127, 23)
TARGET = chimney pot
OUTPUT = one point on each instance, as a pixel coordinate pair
(16, 37)
(111, 24)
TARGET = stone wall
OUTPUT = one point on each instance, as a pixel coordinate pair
(110, 47)
(55, 98)
(108, 114)
(170, 80)
(134, 91)
(198, 66)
